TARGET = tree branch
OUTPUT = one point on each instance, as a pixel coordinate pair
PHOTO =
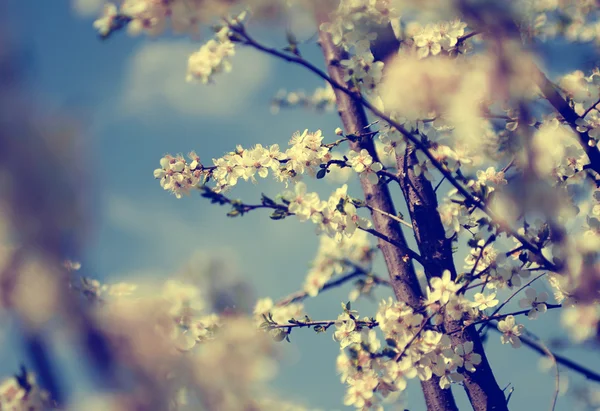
(402, 274)
(301, 295)
(573, 366)
(352, 95)
(572, 118)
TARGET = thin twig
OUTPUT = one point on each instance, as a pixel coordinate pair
(498, 317)
(301, 295)
(414, 337)
(409, 253)
(593, 106)
(323, 323)
(439, 184)
(557, 373)
(511, 297)
(393, 217)
(573, 366)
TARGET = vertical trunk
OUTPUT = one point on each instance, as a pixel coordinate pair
(402, 275)
(436, 253)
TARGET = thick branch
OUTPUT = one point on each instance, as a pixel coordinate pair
(567, 112)
(436, 251)
(377, 196)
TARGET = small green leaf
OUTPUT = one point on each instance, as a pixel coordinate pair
(321, 173)
(319, 329)
(391, 342)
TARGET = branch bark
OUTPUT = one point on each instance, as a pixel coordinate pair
(436, 251)
(436, 255)
(402, 274)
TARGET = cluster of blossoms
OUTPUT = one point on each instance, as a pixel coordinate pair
(177, 175)
(363, 164)
(362, 70)
(433, 38)
(414, 349)
(94, 290)
(509, 273)
(22, 393)
(323, 98)
(304, 156)
(490, 178)
(582, 89)
(152, 17)
(557, 151)
(180, 302)
(212, 58)
(353, 26)
(353, 20)
(443, 300)
(173, 324)
(454, 217)
(481, 257)
(547, 19)
(334, 258)
(280, 314)
(411, 352)
(390, 144)
(240, 361)
(337, 217)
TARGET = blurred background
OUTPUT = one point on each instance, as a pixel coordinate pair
(102, 113)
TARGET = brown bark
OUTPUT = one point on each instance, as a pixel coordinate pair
(436, 254)
(402, 274)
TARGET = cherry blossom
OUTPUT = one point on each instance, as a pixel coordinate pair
(510, 331)
(534, 301)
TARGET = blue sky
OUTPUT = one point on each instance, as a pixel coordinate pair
(131, 97)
